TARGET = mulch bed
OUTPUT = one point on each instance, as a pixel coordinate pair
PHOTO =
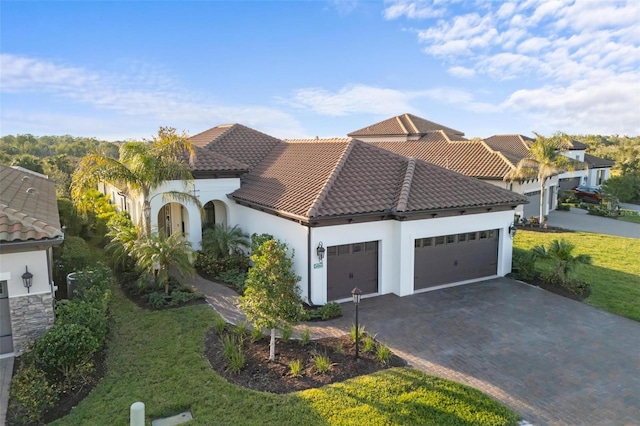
(553, 288)
(263, 375)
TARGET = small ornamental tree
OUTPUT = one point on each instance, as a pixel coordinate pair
(272, 297)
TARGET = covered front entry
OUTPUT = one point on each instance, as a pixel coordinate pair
(172, 218)
(350, 266)
(6, 338)
(453, 258)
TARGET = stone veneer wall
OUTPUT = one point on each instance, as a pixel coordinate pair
(31, 317)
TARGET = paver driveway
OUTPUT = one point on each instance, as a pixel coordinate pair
(554, 360)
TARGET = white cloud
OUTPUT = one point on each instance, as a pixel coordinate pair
(411, 9)
(461, 72)
(533, 45)
(143, 93)
(506, 10)
(584, 106)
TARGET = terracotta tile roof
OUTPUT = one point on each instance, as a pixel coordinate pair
(237, 142)
(318, 140)
(206, 160)
(325, 180)
(28, 207)
(516, 146)
(597, 162)
(404, 125)
(471, 158)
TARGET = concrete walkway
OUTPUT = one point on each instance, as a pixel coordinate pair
(578, 220)
(553, 360)
(6, 371)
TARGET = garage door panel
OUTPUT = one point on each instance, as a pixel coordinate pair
(352, 265)
(533, 208)
(453, 258)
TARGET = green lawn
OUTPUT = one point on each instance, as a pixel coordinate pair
(157, 357)
(614, 275)
(632, 219)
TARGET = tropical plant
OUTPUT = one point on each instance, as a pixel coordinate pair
(123, 235)
(142, 168)
(221, 241)
(157, 253)
(545, 160)
(560, 252)
(272, 297)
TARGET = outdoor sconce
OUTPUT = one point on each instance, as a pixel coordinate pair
(320, 251)
(356, 293)
(512, 230)
(27, 279)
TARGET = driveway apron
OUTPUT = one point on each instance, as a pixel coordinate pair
(554, 360)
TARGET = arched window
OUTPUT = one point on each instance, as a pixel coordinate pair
(209, 215)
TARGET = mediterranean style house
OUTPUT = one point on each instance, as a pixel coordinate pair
(489, 160)
(29, 228)
(352, 213)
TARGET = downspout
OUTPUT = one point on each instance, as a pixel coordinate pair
(309, 265)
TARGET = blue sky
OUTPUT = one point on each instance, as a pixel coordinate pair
(119, 70)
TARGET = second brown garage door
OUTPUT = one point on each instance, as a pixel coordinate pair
(452, 258)
(350, 266)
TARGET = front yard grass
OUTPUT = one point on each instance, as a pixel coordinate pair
(157, 357)
(632, 219)
(614, 275)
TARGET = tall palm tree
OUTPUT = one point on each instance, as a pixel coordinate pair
(141, 168)
(158, 253)
(545, 160)
(220, 241)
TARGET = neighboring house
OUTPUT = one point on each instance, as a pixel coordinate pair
(29, 228)
(488, 160)
(353, 214)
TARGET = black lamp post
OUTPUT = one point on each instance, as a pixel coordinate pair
(356, 293)
(27, 279)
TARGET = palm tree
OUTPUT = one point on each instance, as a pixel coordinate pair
(141, 168)
(123, 235)
(560, 252)
(157, 254)
(220, 241)
(545, 160)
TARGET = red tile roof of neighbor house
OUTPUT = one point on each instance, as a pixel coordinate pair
(597, 162)
(514, 147)
(469, 157)
(325, 180)
(28, 207)
(405, 125)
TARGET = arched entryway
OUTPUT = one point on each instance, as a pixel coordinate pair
(172, 218)
(215, 211)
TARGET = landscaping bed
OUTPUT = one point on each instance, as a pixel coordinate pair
(553, 288)
(275, 376)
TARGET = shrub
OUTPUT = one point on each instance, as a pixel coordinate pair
(66, 349)
(322, 363)
(84, 314)
(285, 333)
(214, 266)
(525, 261)
(305, 337)
(241, 328)
(296, 368)
(31, 396)
(383, 353)
(564, 207)
(256, 334)
(567, 196)
(352, 332)
(235, 278)
(219, 324)
(93, 286)
(368, 343)
(338, 348)
(330, 310)
(178, 298)
(233, 353)
(158, 299)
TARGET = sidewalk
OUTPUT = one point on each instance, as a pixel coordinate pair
(224, 301)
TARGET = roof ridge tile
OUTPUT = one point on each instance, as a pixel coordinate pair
(403, 200)
(315, 206)
(408, 117)
(402, 126)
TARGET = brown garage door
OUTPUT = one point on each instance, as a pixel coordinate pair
(352, 265)
(452, 258)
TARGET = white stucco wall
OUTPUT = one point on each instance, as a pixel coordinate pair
(575, 154)
(12, 266)
(529, 187)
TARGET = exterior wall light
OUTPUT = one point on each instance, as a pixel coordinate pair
(512, 230)
(320, 251)
(27, 279)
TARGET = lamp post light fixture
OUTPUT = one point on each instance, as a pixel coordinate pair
(356, 293)
(320, 251)
(27, 279)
